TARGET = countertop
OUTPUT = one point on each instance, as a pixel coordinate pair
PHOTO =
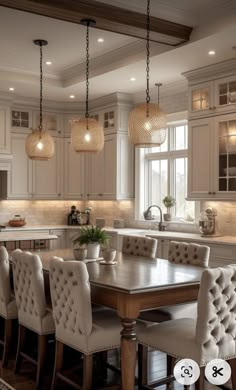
(24, 236)
(182, 236)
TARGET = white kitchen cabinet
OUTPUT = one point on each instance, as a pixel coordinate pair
(213, 97)
(60, 242)
(21, 173)
(21, 120)
(5, 137)
(51, 122)
(47, 175)
(33, 179)
(101, 171)
(212, 158)
(74, 172)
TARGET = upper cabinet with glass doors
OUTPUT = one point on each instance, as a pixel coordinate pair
(212, 90)
(213, 97)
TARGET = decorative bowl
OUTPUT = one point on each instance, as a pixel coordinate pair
(17, 223)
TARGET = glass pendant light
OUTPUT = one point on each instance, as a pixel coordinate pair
(39, 144)
(86, 133)
(147, 122)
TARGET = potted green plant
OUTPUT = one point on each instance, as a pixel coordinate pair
(91, 237)
(168, 202)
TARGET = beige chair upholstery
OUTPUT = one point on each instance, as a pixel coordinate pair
(8, 308)
(76, 325)
(139, 246)
(30, 294)
(184, 253)
(213, 334)
(32, 309)
(180, 253)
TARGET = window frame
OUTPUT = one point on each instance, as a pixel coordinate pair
(142, 177)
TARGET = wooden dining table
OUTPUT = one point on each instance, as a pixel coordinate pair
(132, 285)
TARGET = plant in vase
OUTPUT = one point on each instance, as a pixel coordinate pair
(168, 202)
(91, 237)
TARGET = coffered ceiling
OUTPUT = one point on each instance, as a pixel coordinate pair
(118, 58)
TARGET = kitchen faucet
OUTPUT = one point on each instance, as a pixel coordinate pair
(147, 215)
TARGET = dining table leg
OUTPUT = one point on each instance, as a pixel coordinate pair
(128, 353)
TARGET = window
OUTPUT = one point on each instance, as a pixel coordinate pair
(163, 171)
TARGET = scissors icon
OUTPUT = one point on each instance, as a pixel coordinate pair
(217, 371)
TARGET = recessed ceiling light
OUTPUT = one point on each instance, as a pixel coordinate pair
(100, 40)
(211, 52)
(11, 89)
(132, 78)
(48, 62)
(72, 96)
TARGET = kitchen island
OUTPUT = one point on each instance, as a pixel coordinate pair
(26, 240)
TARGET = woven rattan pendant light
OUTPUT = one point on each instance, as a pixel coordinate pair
(147, 122)
(39, 144)
(86, 133)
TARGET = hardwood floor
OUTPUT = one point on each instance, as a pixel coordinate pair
(26, 379)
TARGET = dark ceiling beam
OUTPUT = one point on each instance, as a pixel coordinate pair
(107, 17)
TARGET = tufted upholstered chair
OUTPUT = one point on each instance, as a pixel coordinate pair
(8, 308)
(32, 310)
(139, 246)
(180, 253)
(76, 325)
(212, 335)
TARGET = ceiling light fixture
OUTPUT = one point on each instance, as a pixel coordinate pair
(72, 96)
(147, 123)
(86, 133)
(39, 144)
(132, 79)
(48, 63)
(211, 52)
(100, 40)
(11, 89)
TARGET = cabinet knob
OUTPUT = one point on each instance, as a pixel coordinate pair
(214, 107)
(59, 194)
(100, 194)
(209, 192)
(81, 194)
(87, 194)
(213, 193)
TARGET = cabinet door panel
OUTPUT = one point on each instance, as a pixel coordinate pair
(200, 159)
(5, 130)
(101, 173)
(20, 177)
(74, 175)
(47, 176)
(125, 167)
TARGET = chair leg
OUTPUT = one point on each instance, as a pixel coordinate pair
(142, 365)
(7, 342)
(21, 342)
(232, 363)
(42, 347)
(87, 372)
(104, 360)
(199, 385)
(58, 362)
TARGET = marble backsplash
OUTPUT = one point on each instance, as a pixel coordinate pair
(40, 212)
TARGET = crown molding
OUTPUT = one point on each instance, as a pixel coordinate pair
(210, 72)
(111, 61)
(18, 76)
(100, 103)
(178, 87)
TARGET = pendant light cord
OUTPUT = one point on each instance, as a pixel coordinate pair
(148, 55)
(87, 72)
(41, 88)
